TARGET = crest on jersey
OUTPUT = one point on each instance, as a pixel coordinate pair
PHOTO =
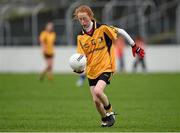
(93, 42)
(100, 39)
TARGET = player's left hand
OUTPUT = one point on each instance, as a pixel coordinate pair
(137, 50)
(78, 72)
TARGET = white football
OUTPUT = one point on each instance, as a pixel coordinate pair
(77, 62)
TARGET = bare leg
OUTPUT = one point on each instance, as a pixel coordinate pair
(49, 68)
(98, 103)
(99, 92)
(102, 104)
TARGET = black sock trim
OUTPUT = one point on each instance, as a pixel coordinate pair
(107, 107)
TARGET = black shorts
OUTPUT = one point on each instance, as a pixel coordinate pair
(47, 56)
(106, 77)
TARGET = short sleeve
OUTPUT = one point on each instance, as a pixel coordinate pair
(111, 32)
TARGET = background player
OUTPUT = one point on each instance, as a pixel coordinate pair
(120, 45)
(96, 42)
(140, 42)
(47, 42)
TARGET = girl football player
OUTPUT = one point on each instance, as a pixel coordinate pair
(96, 42)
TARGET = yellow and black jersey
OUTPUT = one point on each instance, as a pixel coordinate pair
(98, 48)
(48, 38)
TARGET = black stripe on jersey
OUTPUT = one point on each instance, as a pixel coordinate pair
(108, 42)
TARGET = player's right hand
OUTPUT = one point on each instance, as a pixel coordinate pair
(78, 72)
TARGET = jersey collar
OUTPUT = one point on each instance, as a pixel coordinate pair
(94, 27)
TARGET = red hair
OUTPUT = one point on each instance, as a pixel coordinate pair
(84, 8)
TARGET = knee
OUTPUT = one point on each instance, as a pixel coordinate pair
(49, 68)
(98, 92)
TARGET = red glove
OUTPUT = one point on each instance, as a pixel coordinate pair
(137, 50)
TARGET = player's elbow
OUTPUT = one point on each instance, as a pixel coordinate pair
(121, 31)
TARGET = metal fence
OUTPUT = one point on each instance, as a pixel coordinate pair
(156, 22)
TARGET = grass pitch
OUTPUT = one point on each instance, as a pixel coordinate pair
(148, 102)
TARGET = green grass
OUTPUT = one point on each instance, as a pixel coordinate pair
(149, 102)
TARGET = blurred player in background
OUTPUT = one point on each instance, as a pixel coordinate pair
(120, 45)
(47, 41)
(139, 42)
(96, 42)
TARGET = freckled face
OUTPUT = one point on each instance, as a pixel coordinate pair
(84, 19)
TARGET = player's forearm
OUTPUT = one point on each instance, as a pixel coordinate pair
(126, 36)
